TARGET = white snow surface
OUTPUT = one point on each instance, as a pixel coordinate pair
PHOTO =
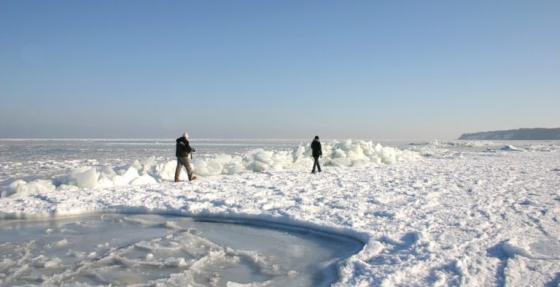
(448, 218)
(348, 153)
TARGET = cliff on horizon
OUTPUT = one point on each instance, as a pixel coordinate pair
(519, 134)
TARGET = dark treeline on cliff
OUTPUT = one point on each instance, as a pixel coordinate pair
(519, 134)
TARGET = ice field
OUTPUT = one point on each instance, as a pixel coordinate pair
(154, 250)
(460, 213)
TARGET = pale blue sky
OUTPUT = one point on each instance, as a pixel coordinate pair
(277, 69)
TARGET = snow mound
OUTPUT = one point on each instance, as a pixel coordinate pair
(511, 148)
(339, 154)
(24, 188)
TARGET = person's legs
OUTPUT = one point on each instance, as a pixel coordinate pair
(178, 170)
(313, 169)
(315, 164)
(185, 161)
(318, 165)
(189, 168)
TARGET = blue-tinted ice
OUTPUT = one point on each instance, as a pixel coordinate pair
(152, 250)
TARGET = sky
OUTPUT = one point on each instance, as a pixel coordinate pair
(277, 69)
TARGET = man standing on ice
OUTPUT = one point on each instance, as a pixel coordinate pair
(316, 152)
(183, 150)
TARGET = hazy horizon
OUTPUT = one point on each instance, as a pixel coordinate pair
(172, 138)
(291, 69)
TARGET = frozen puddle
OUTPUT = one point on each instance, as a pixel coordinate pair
(152, 250)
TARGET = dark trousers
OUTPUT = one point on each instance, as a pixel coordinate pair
(316, 164)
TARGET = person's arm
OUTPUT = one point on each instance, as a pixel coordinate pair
(320, 150)
(189, 148)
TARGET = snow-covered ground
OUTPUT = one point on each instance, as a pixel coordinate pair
(436, 214)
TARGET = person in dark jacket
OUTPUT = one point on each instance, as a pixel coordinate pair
(317, 152)
(183, 150)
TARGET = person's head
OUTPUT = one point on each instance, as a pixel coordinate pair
(316, 138)
(186, 135)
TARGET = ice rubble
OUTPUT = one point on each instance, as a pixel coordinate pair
(471, 220)
(511, 148)
(342, 154)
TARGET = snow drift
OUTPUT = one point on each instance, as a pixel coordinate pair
(339, 154)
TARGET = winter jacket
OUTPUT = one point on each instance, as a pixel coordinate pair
(183, 148)
(316, 148)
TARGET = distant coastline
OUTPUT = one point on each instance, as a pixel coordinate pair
(518, 134)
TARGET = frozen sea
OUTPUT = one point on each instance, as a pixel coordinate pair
(438, 213)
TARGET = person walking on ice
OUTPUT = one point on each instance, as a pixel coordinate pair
(183, 150)
(317, 152)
